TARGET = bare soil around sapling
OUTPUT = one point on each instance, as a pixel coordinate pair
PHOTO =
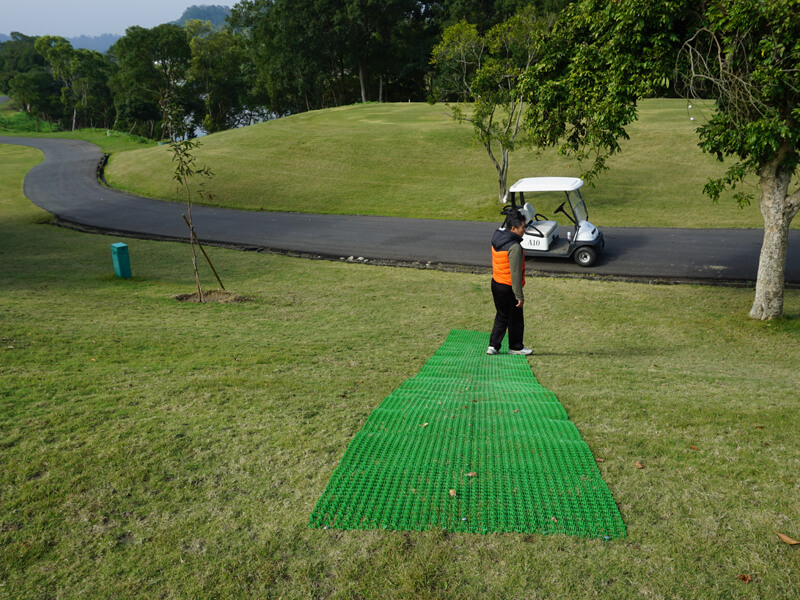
(217, 296)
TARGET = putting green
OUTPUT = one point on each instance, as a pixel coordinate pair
(472, 443)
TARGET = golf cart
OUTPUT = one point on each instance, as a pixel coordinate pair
(582, 242)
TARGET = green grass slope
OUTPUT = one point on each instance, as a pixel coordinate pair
(412, 160)
(152, 449)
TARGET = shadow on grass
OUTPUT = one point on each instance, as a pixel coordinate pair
(786, 324)
(627, 351)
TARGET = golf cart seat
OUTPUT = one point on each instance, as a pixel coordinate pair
(540, 234)
(541, 229)
(546, 229)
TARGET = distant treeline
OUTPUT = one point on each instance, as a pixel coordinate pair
(100, 43)
(270, 57)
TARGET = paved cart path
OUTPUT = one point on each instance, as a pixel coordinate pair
(66, 185)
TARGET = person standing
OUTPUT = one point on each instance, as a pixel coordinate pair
(508, 279)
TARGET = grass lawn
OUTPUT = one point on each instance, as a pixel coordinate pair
(412, 160)
(14, 122)
(108, 141)
(153, 449)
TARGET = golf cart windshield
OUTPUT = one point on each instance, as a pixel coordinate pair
(578, 206)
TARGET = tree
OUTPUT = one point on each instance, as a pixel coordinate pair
(408, 71)
(185, 169)
(152, 69)
(371, 34)
(486, 71)
(599, 59)
(94, 101)
(488, 13)
(84, 79)
(17, 55)
(37, 93)
(221, 68)
(60, 55)
(748, 57)
(300, 49)
(318, 53)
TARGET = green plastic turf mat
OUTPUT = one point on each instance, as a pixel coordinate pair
(472, 443)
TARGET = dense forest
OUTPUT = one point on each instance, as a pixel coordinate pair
(218, 69)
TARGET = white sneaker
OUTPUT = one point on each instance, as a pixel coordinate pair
(492, 350)
(523, 351)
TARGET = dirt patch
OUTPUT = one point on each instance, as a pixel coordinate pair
(219, 296)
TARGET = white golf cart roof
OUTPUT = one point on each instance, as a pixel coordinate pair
(546, 184)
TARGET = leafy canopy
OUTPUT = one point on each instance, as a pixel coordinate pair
(600, 58)
(485, 70)
(748, 58)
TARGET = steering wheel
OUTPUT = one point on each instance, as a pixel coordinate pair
(560, 209)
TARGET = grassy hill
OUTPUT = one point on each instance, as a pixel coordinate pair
(155, 449)
(412, 160)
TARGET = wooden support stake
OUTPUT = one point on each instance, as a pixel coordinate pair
(208, 260)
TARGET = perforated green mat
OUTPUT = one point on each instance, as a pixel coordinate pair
(472, 443)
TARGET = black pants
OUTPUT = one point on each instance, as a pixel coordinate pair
(508, 317)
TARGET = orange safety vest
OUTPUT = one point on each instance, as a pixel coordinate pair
(501, 268)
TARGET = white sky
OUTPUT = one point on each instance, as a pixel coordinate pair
(71, 18)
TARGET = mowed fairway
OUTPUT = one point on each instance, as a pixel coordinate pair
(153, 449)
(412, 160)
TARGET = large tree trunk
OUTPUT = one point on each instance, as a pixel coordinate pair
(502, 175)
(778, 211)
(362, 76)
(502, 166)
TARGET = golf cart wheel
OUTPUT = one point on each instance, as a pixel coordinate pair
(585, 256)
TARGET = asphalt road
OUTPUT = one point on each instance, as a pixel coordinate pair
(66, 185)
